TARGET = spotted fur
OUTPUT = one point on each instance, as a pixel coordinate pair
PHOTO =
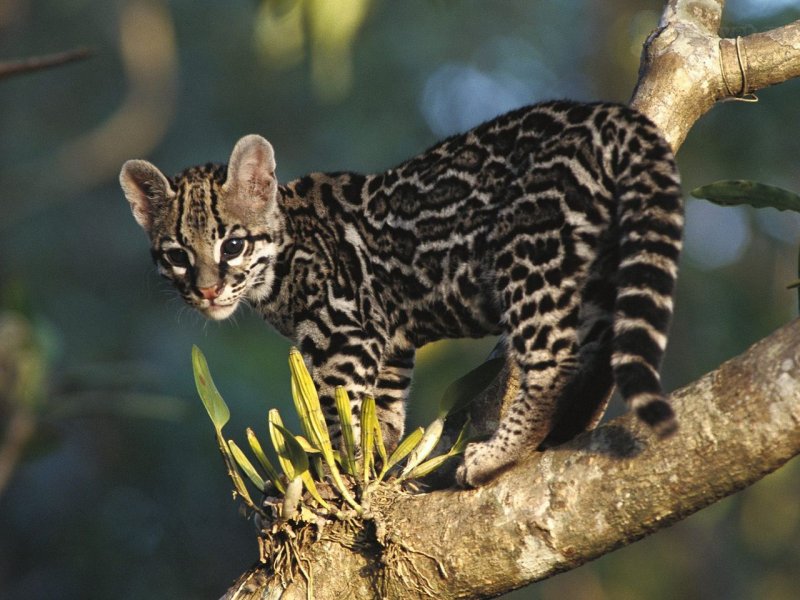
(556, 225)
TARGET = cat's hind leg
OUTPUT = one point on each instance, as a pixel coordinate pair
(542, 328)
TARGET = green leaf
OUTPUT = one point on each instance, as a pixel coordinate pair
(378, 435)
(308, 407)
(368, 421)
(346, 423)
(296, 455)
(306, 402)
(212, 400)
(265, 463)
(233, 472)
(738, 191)
(246, 466)
(429, 466)
(308, 481)
(759, 195)
(465, 389)
(461, 441)
(291, 456)
(403, 448)
(306, 446)
(426, 445)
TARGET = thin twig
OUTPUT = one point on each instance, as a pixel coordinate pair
(38, 63)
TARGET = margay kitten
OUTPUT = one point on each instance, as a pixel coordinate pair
(558, 225)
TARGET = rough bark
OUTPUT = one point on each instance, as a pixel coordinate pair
(563, 507)
(557, 509)
(686, 67)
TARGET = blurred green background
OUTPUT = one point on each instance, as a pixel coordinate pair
(119, 490)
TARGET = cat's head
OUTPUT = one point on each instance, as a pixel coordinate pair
(214, 231)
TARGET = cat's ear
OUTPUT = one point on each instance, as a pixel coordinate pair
(251, 171)
(145, 188)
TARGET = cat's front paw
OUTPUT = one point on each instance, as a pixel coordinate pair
(482, 462)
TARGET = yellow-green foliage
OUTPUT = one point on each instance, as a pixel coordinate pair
(298, 456)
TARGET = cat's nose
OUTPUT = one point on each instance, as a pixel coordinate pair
(210, 293)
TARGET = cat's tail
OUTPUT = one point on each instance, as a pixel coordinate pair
(650, 220)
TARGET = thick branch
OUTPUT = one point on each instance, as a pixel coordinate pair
(687, 67)
(563, 507)
(770, 57)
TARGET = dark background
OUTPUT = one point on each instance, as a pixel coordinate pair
(121, 491)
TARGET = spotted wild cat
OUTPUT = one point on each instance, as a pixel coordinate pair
(557, 225)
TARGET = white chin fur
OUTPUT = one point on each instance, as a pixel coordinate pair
(218, 313)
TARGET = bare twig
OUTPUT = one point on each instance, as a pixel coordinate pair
(39, 63)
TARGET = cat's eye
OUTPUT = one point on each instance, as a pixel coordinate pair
(177, 257)
(232, 248)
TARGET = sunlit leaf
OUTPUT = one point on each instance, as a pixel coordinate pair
(246, 466)
(266, 464)
(426, 445)
(759, 195)
(233, 472)
(378, 435)
(429, 466)
(306, 445)
(212, 400)
(284, 448)
(308, 407)
(368, 421)
(403, 448)
(308, 481)
(306, 402)
(348, 457)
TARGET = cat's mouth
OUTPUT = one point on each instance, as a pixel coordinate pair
(218, 312)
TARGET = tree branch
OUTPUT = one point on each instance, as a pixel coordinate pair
(613, 484)
(38, 63)
(687, 68)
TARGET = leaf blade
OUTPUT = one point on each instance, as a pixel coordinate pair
(215, 406)
(346, 423)
(733, 192)
(266, 464)
(246, 466)
(403, 449)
